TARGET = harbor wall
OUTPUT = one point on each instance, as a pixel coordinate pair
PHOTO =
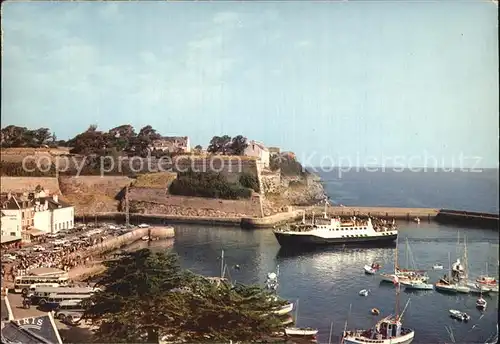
(126, 239)
(296, 213)
(468, 218)
(388, 213)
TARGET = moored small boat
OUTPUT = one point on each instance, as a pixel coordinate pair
(481, 303)
(387, 331)
(456, 314)
(417, 220)
(419, 286)
(445, 287)
(369, 270)
(285, 309)
(364, 292)
(301, 332)
(489, 282)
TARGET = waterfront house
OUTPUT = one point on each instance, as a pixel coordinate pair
(258, 150)
(35, 214)
(10, 226)
(172, 144)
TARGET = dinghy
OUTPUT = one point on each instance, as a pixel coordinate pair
(371, 269)
(285, 309)
(481, 303)
(364, 292)
(301, 332)
(462, 316)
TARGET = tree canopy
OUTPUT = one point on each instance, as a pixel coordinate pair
(146, 296)
(14, 136)
(227, 145)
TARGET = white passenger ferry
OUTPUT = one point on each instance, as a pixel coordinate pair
(335, 231)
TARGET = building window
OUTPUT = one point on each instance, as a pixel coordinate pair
(12, 233)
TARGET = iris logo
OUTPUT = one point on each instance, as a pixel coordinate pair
(31, 323)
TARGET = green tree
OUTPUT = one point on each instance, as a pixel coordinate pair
(146, 295)
(249, 181)
(238, 145)
(41, 136)
(220, 145)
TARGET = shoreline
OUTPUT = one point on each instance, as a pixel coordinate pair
(444, 216)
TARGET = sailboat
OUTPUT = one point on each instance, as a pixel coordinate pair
(219, 280)
(446, 284)
(389, 330)
(300, 331)
(272, 284)
(404, 275)
(488, 281)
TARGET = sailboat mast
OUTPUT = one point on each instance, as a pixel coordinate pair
(396, 258)
(222, 265)
(449, 267)
(466, 268)
(407, 254)
(345, 326)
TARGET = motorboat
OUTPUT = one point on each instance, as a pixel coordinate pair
(462, 316)
(417, 220)
(301, 332)
(489, 282)
(481, 303)
(389, 330)
(364, 292)
(438, 267)
(371, 269)
(418, 286)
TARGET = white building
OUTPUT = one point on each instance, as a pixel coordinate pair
(52, 214)
(258, 150)
(10, 226)
(34, 214)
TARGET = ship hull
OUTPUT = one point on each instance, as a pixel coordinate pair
(404, 339)
(289, 239)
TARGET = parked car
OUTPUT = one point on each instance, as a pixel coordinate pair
(38, 248)
(143, 225)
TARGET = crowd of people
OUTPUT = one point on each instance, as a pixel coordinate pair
(68, 256)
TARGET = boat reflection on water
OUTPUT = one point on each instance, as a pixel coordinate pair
(291, 252)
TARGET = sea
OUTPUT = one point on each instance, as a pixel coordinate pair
(325, 282)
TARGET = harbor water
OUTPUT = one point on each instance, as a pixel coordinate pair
(327, 281)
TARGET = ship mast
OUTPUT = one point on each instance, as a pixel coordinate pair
(396, 278)
(324, 214)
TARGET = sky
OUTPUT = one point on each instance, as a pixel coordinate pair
(357, 81)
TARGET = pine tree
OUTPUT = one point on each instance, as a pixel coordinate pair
(146, 296)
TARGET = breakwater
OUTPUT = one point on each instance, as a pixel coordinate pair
(296, 213)
(388, 213)
(468, 218)
(126, 239)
